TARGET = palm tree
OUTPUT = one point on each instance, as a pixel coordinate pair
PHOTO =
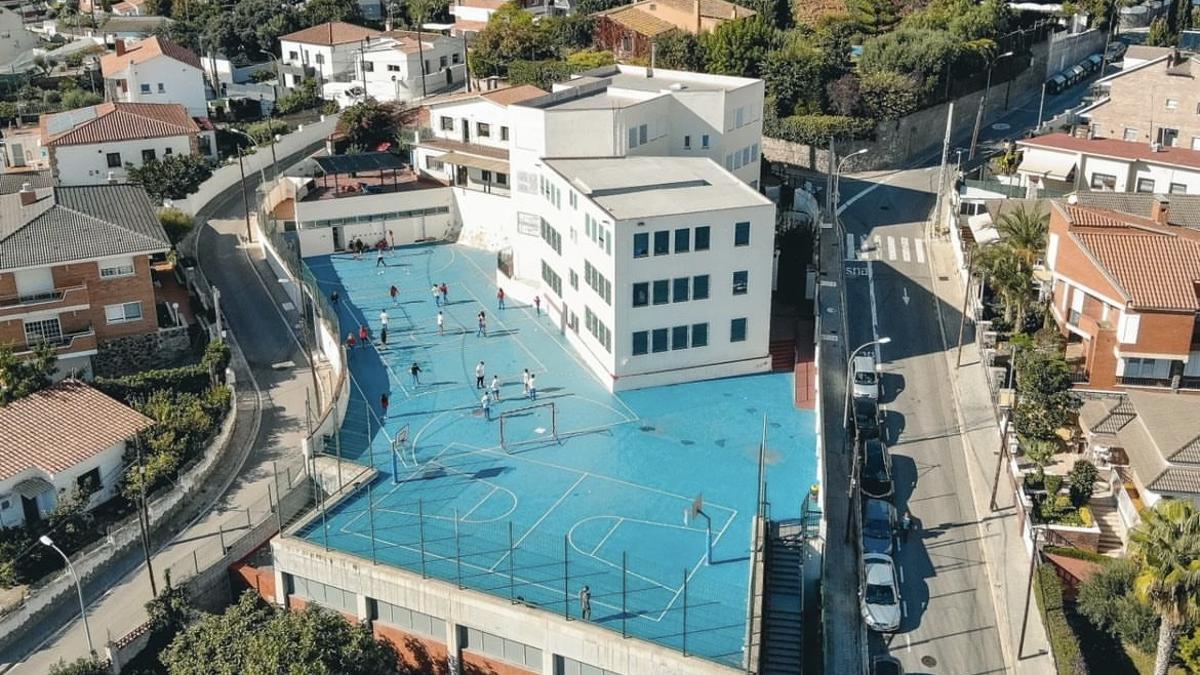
(420, 11)
(1025, 230)
(1166, 546)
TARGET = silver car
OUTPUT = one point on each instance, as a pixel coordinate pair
(866, 378)
(880, 597)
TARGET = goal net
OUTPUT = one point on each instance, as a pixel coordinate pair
(531, 424)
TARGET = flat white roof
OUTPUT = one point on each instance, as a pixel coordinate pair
(634, 77)
(646, 187)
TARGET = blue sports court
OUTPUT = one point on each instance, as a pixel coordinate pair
(587, 489)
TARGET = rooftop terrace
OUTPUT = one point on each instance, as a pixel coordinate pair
(578, 487)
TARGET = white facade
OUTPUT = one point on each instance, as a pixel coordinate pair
(327, 61)
(1069, 170)
(104, 466)
(392, 69)
(161, 79)
(92, 164)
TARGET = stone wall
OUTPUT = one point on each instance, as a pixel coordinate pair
(164, 348)
(1068, 49)
(899, 142)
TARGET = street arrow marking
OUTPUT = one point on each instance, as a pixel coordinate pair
(905, 298)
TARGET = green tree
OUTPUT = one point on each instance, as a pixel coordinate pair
(84, 665)
(368, 123)
(739, 47)
(1083, 477)
(1024, 231)
(1159, 34)
(1039, 453)
(20, 377)
(1045, 400)
(874, 16)
(679, 50)
(570, 31)
(589, 59)
(317, 12)
(252, 637)
(1189, 651)
(172, 177)
(1106, 599)
(1166, 546)
(794, 75)
(300, 98)
(844, 96)
(169, 612)
(511, 34)
(888, 95)
(177, 224)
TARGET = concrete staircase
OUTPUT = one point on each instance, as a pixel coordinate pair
(1104, 510)
(783, 354)
(783, 625)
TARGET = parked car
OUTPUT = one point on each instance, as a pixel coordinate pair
(1116, 50)
(866, 377)
(880, 598)
(866, 418)
(886, 665)
(878, 526)
(876, 469)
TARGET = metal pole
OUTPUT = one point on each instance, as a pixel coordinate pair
(195, 561)
(245, 198)
(962, 315)
(457, 551)
(1000, 460)
(624, 591)
(566, 583)
(221, 534)
(144, 518)
(371, 522)
(978, 121)
(685, 611)
(82, 607)
(512, 597)
(937, 217)
(421, 534)
(1033, 559)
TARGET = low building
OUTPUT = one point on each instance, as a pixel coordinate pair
(130, 8)
(327, 51)
(470, 16)
(66, 437)
(629, 30)
(400, 66)
(1156, 101)
(1060, 163)
(129, 28)
(155, 70)
(1124, 294)
(75, 269)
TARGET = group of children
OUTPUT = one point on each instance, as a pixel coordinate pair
(491, 393)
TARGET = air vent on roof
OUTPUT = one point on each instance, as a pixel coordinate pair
(678, 86)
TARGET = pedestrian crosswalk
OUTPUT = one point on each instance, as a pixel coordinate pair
(885, 247)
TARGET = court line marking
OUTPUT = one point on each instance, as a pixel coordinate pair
(921, 251)
(464, 517)
(904, 254)
(545, 515)
(602, 539)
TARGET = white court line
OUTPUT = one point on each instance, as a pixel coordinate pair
(878, 248)
(921, 251)
(851, 249)
(463, 517)
(602, 539)
(698, 565)
(904, 249)
(891, 250)
(545, 515)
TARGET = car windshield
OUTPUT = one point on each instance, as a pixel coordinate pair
(880, 595)
(875, 465)
(877, 529)
(864, 377)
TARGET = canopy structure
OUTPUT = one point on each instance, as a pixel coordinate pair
(475, 161)
(364, 161)
(1051, 165)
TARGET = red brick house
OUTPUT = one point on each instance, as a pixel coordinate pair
(627, 31)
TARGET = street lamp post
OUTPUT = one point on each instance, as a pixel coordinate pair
(837, 194)
(852, 492)
(46, 541)
(983, 103)
(850, 370)
(245, 198)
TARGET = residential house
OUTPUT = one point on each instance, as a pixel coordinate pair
(99, 143)
(1157, 101)
(75, 268)
(400, 66)
(470, 16)
(327, 51)
(1061, 163)
(155, 70)
(629, 30)
(1124, 293)
(129, 8)
(66, 437)
(1136, 55)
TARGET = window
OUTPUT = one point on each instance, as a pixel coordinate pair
(485, 175)
(566, 666)
(409, 619)
(45, 330)
(368, 66)
(699, 335)
(662, 242)
(1167, 137)
(661, 288)
(393, 67)
(597, 329)
(447, 123)
(741, 280)
(641, 244)
(1129, 134)
(123, 313)
(739, 117)
(658, 342)
(148, 156)
(687, 142)
(1104, 181)
(642, 134)
(443, 62)
(167, 152)
(1145, 185)
(114, 160)
(501, 178)
(741, 234)
(456, 58)
(552, 237)
(704, 142)
(504, 133)
(737, 330)
(700, 287)
(683, 240)
(325, 595)
(680, 287)
(500, 647)
(552, 279)
(641, 342)
(320, 59)
(89, 482)
(145, 88)
(1178, 189)
(483, 129)
(679, 335)
(292, 56)
(1172, 104)
(161, 88)
(433, 163)
(702, 235)
(594, 279)
(633, 138)
(641, 294)
(116, 267)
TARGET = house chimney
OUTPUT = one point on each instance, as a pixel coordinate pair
(28, 196)
(119, 43)
(1160, 211)
(696, 16)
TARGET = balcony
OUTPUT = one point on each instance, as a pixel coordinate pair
(80, 342)
(1161, 382)
(59, 299)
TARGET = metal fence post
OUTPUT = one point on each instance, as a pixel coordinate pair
(457, 551)
(371, 521)
(512, 597)
(624, 611)
(249, 523)
(685, 608)
(221, 534)
(370, 443)
(566, 583)
(196, 562)
(421, 533)
(337, 447)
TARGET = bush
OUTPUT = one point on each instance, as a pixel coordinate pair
(1107, 600)
(1083, 481)
(264, 132)
(1068, 656)
(889, 95)
(301, 98)
(1053, 484)
(193, 379)
(818, 129)
(538, 73)
(90, 665)
(1078, 554)
(177, 224)
(172, 177)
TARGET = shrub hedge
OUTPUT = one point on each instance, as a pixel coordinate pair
(818, 129)
(193, 379)
(1068, 655)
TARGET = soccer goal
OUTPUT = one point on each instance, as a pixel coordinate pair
(400, 450)
(530, 424)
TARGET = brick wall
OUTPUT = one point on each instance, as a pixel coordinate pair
(476, 664)
(1138, 102)
(419, 654)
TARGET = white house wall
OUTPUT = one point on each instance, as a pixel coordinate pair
(88, 164)
(181, 84)
(317, 239)
(107, 461)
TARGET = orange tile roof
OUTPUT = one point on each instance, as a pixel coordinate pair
(642, 23)
(1116, 149)
(331, 33)
(150, 48)
(464, 24)
(57, 428)
(512, 95)
(1098, 217)
(1155, 270)
(116, 121)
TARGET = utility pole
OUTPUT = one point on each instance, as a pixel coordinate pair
(144, 517)
(1041, 109)
(362, 57)
(466, 62)
(245, 198)
(937, 217)
(1033, 560)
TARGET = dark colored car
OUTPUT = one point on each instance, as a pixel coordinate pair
(878, 526)
(876, 469)
(866, 418)
(886, 665)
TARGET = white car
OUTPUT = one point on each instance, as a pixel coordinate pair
(880, 598)
(866, 378)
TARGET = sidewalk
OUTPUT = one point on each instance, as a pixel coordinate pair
(1005, 552)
